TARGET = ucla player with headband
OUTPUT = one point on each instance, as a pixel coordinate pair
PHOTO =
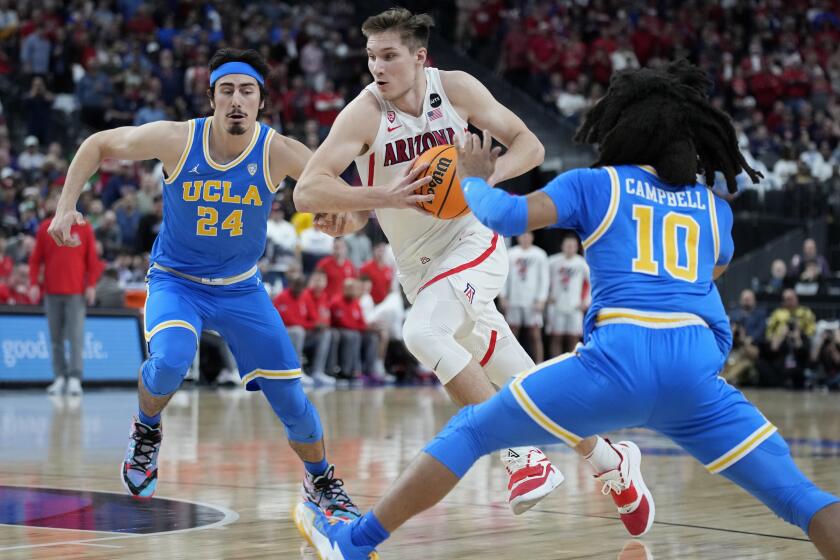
(222, 173)
(656, 334)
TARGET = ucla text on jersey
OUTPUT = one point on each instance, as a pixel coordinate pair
(214, 215)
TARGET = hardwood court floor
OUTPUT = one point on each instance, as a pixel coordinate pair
(226, 449)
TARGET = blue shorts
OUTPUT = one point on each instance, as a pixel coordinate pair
(241, 313)
(662, 379)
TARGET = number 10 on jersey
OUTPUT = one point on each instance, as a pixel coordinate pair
(645, 263)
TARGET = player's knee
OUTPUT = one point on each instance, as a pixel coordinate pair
(770, 474)
(294, 410)
(164, 371)
(459, 444)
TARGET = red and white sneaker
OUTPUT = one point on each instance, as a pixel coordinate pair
(627, 488)
(532, 477)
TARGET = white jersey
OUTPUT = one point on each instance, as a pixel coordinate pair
(416, 239)
(569, 276)
(527, 281)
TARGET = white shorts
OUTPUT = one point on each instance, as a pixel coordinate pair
(564, 321)
(456, 300)
(522, 316)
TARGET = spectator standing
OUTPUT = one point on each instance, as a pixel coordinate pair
(567, 296)
(526, 291)
(70, 275)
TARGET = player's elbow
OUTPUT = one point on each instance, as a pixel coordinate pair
(538, 153)
(303, 199)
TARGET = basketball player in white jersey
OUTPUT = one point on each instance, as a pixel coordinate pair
(450, 270)
(526, 291)
(567, 297)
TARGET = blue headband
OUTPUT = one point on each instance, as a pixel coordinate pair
(235, 68)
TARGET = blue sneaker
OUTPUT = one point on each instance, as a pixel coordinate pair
(329, 536)
(139, 468)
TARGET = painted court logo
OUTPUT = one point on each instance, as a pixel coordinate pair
(469, 291)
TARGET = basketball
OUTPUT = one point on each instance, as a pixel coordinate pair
(449, 200)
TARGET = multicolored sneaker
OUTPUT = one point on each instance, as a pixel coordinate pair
(327, 492)
(532, 477)
(627, 488)
(139, 469)
(329, 536)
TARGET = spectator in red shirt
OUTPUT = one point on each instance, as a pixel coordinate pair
(304, 324)
(328, 103)
(337, 267)
(380, 273)
(349, 321)
(18, 292)
(70, 276)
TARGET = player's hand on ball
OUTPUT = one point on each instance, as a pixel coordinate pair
(476, 158)
(401, 194)
(60, 226)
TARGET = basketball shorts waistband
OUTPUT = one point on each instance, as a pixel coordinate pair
(209, 281)
(647, 319)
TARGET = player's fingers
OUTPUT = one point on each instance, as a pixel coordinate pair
(486, 141)
(80, 220)
(494, 153)
(411, 187)
(475, 143)
(413, 173)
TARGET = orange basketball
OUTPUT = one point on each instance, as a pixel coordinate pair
(449, 200)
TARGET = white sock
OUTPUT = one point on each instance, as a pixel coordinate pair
(603, 458)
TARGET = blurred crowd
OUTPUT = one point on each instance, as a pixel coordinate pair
(777, 340)
(775, 65)
(70, 68)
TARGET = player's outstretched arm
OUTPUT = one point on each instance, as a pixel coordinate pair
(470, 97)
(500, 211)
(321, 191)
(163, 140)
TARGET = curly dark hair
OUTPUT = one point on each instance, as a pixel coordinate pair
(663, 118)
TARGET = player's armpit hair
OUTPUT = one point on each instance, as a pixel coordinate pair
(663, 118)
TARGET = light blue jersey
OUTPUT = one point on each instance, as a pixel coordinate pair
(214, 215)
(650, 247)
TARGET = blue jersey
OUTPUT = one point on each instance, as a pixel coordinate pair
(650, 246)
(214, 215)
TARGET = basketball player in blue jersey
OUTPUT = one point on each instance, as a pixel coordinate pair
(221, 175)
(656, 334)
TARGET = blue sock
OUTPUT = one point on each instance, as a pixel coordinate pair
(150, 421)
(368, 531)
(317, 469)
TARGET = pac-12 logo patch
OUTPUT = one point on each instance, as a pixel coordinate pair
(469, 291)
(391, 116)
(434, 100)
(252, 168)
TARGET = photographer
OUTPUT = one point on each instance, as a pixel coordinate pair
(788, 333)
(741, 366)
(826, 353)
